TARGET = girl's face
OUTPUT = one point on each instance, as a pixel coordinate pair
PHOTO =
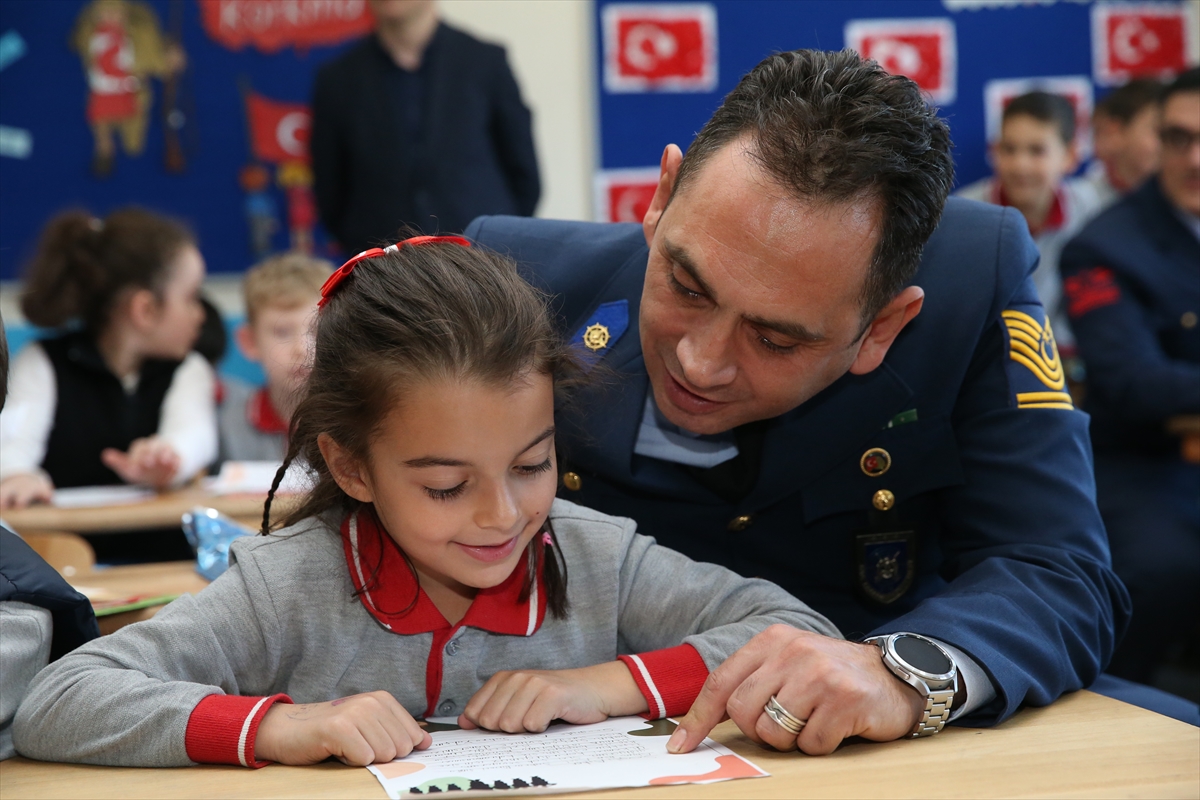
(462, 476)
(179, 314)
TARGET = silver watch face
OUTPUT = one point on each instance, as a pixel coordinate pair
(923, 657)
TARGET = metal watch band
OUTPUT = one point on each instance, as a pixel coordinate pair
(937, 714)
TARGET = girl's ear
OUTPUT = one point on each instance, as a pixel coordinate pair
(345, 469)
(143, 309)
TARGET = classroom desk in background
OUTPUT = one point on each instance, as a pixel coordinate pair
(144, 580)
(161, 511)
(1085, 745)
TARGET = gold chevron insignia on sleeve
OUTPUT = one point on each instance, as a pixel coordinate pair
(1044, 400)
(1032, 345)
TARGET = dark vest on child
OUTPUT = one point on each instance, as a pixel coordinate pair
(95, 412)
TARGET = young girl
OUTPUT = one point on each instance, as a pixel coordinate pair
(429, 558)
(121, 398)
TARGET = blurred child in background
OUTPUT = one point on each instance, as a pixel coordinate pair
(120, 397)
(281, 300)
(1125, 139)
(1032, 158)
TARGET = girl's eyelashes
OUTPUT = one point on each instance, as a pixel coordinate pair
(446, 494)
(534, 469)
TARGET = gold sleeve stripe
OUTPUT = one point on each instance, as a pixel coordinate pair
(1032, 346)
(1042, 397)
(1066, 406)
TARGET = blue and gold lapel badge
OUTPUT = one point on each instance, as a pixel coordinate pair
(602, 330)
(1035, 372)
(887, 564)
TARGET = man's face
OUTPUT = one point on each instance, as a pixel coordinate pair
(1031, 159)
(1139, 158)
(1180, 175)
(751, 303)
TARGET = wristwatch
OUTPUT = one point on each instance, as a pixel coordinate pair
(926, 666)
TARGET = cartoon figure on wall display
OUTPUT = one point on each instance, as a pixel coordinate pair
(122, 47)
(262, 214)
(295, 178)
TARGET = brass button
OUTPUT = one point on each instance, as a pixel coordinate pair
(740, 523)
(875, 462)
(1188, 320)
(883, 500)
(572, 481)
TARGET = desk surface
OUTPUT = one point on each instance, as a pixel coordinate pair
(149, 580)
(1084, 745)
(162, 511)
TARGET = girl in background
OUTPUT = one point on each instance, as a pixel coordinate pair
(426, 572)
(120, 397)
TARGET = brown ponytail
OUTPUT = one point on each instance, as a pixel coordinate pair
(83, 264)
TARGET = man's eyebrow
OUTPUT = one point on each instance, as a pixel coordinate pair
(792, 330)
(439, 461)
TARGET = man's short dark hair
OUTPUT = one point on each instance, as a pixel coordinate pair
(1052, 109)
(1186, 81)
(1126, 102)
(834, 128)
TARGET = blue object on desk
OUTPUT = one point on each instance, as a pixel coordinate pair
(210, 533)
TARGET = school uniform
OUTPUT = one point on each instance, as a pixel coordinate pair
(252, 429)
(1132, 281)
(298, 618)
(65, 407)
(1076, 201)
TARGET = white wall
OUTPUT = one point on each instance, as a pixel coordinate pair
(549, 46)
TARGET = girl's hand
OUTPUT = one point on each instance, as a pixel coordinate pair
(150, 462)
(18, 491)
(530, 700)
(362, 729)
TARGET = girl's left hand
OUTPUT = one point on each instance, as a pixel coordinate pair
(529, 700)
(151, 461)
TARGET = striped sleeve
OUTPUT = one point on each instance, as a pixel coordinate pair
(669, 679)
(222, 728)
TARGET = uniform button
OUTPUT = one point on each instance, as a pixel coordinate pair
(1189, 320)
(572, 481)
(883, 500)
(740, 523)
(452, 648)
(446, 708)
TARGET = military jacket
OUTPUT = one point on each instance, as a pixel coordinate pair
(990, 541)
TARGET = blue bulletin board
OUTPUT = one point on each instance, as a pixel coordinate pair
(47, 147)
(992, 41)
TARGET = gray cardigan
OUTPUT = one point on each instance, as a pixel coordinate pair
(283, 619)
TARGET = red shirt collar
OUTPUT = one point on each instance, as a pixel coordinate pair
(1055, 217)
(261, 413)
(375, 561)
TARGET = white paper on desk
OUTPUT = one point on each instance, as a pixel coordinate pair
(256, 477)
(99, 496)
(619, 752)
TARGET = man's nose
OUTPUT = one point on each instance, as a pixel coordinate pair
(706, 357)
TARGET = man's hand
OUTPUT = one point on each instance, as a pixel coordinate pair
(150, 462)
(840, 688)
(27, 488)
(362, 729)
(529, 700)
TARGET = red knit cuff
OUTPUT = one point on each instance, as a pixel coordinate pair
(669, 679)
(222, 728)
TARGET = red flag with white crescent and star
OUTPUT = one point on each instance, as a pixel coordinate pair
(278, 131)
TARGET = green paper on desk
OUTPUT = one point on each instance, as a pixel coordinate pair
(106, 608)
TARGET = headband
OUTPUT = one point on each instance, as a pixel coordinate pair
(344, 270)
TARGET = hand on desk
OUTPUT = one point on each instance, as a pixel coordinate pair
(151, 461)
(362, 729)
(19, 491)
(841, 688)
(529, 700)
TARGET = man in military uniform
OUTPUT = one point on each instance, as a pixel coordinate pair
(794, 391)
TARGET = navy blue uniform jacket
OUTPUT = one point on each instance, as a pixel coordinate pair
(994, 474)
(473, 153)
(1133, 292)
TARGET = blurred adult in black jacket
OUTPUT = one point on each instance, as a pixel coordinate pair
(419, 124)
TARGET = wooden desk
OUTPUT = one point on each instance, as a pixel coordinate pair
(163, 511)
(1084, 745)
(172, 577)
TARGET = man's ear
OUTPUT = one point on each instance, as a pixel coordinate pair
(886, 327)
(668, 170)
(345, 469)
(244, 335)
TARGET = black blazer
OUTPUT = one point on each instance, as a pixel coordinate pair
(474, 154)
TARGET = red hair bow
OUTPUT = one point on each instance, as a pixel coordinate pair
(344, 270)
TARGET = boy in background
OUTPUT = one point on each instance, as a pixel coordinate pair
(1125, 139)
(281, 299)
(1032, 158)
